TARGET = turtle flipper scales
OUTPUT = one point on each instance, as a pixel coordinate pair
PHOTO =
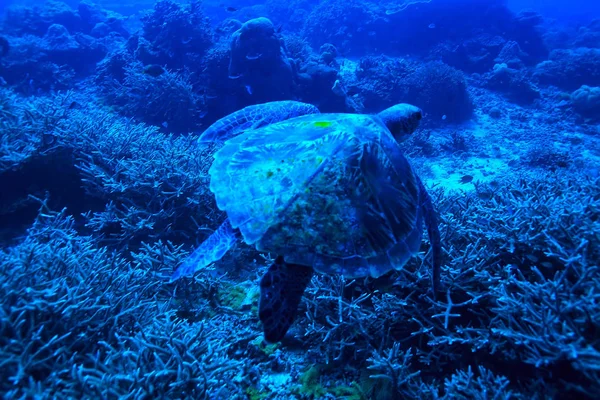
(281, 290)
(254, 117)
(211, 250)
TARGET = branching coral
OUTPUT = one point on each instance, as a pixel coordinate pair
(166, 100)
(79, 321)
(520, 276)
(151, 184)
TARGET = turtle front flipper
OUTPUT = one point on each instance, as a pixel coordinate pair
(433, 231)
(281, 290)
(211, 250)
(253, 117)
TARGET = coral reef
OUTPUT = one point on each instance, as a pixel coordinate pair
(178, 35)
(73, 327)
(440, 90)
(337, 22)
(570, 68)
(88, 147)
(105, 191)
(166, 100)
(514, 84)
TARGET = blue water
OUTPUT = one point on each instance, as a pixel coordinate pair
(319, 241)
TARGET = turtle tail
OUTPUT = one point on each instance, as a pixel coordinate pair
(432, 222)
(281, 290)
(211, 250)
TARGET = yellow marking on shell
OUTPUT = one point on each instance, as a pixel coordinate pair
(322, 124)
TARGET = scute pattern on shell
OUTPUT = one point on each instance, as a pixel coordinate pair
(331, 191)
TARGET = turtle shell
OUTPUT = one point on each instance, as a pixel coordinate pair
(330, 191)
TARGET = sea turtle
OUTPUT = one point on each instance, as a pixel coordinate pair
(331, 193)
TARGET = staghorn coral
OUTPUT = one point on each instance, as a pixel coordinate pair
(151, 185)
(136, 182)
(86, 311)
(79, 321)
(520, 272)
(167, 100)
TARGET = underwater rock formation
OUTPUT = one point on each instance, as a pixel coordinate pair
(36, 20)
(586, 101)
(512, 83)
(570, 68)
(80, 52)
(259, 60)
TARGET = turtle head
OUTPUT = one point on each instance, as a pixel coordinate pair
(401, 120)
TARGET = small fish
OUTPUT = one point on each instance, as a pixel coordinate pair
(154, 70)
(279, 28)
(165, 124)
(73, 105)
(48, 139)
(202, 114)
(444, 117)
(230, 9)
(249, 89)
(431, 26)
(253, 56)
(466, 179)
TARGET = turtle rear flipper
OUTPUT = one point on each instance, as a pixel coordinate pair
(281, 290)
(211, 250)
